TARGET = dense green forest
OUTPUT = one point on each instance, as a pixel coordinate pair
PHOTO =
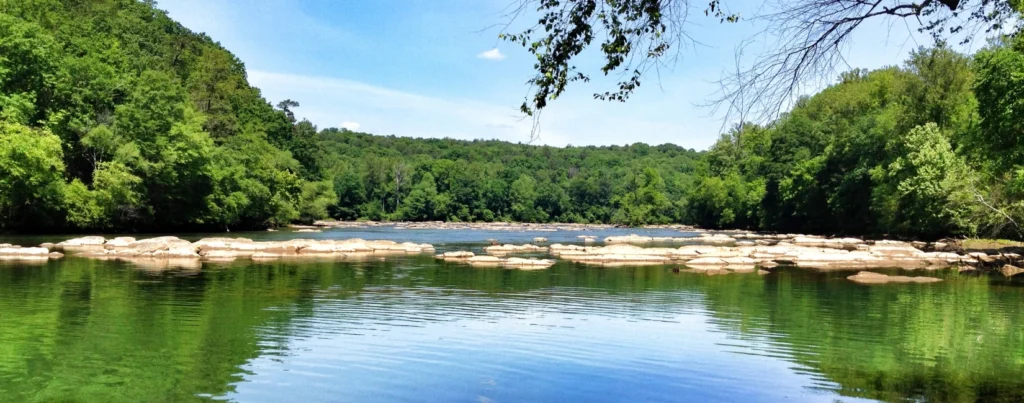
(929, 149)
(114, 117)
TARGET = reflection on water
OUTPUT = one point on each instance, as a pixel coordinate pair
(414, 329)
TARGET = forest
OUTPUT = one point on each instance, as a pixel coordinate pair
(113, 117)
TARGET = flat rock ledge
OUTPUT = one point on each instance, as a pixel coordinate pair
(508, 248)
(10, 252)
(845, 254)
(494, 261)
(867, 277)
(227, 249)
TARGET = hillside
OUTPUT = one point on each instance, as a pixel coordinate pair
(117, 118)
(114, 117)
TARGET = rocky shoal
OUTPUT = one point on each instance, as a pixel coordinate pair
(226, 249)
(804, 252)
(718, 252)
(20, 253)
(494, 261)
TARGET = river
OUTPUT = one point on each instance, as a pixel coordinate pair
(415, 329)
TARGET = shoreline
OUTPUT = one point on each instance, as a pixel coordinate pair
(716, 252)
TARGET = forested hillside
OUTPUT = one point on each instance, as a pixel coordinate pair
(929, 149)
(114, 117)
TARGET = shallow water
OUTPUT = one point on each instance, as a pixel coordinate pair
(414, 329)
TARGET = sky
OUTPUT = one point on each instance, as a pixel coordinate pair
(436, 68)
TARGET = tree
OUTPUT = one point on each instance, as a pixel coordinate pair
(637, 35)
(523, 196)
(421, 204)
(31, 176)
(926, 191)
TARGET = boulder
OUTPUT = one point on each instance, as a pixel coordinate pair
(83, 241)
(1010, 270)
(119, 242)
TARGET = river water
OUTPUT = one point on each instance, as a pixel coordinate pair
(415, 329)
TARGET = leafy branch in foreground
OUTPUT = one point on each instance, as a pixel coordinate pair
(809, 39)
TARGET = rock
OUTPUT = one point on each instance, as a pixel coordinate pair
(631, 238)
(506, 249)
(218, 248)
(1010, 270)
(866, 277)
(13, 252)
(151, 264)
(220, 255)
(484, 261)
(456, 255)
(307, 230)
(521, 263)
(540, 239)
(86, 242)
(618, 259)
(119, 242)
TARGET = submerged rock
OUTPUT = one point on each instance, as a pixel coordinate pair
(1010, 270)
(484, 261)
(457, 255)
(866, 277)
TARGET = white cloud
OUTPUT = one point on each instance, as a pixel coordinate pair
(390, 111)
(353, 126)
(578, 120)
(493, 54)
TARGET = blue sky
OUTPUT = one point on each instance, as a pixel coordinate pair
(429, 68)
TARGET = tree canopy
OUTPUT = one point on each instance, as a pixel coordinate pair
(114, 117)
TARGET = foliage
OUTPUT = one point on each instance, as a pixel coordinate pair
(115, 117)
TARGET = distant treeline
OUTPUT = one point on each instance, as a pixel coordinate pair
(114, 117)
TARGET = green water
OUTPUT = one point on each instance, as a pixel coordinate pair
(413, 329)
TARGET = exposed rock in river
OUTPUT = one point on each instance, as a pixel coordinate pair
(226, 249)
(507, 249)
(494, 261)
(840, 256)
(866, 277)
(15, 252)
